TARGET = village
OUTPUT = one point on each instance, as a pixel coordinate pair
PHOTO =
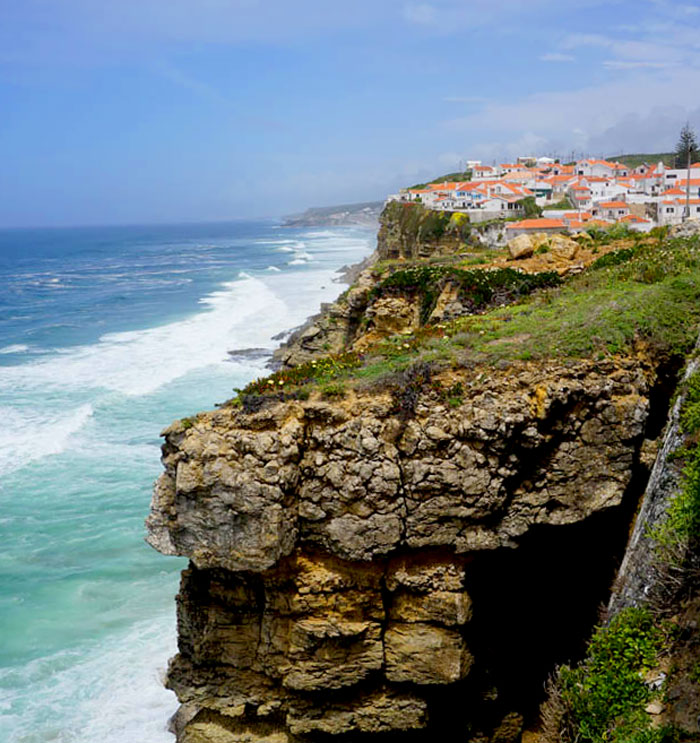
(568, 198)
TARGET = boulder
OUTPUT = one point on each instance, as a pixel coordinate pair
(521, 247)
(563, 248)
(687, 229)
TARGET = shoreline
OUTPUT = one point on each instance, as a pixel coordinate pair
(347, 275)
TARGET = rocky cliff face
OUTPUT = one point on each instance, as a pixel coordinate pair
(402, 541)
(339, 551)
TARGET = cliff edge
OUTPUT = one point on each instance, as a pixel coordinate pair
(404, 530)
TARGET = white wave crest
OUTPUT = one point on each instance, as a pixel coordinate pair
(244, 313)
(14, 348)
(113, 695)
(28, 436)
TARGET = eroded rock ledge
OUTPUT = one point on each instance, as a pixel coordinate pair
(331, 543)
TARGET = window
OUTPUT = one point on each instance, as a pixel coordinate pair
(669, 210)
(620, 211)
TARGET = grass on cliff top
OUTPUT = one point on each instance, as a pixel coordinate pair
(648, 295)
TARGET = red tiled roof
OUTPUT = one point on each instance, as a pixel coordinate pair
(614, 205)
(533, 224)
(633, 218)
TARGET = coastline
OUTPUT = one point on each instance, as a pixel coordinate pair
(347, 275)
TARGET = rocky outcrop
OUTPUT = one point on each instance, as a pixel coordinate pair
(332, 544)
(560, 247)
(641, 575)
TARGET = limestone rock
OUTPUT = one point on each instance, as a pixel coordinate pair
(331, 544)
(210, 727)
(521, 246)
(563, 248)
(377, 712)
(423, 654)
(686, 229)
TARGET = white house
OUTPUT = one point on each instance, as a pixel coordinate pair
(611, 210)
(671, 211)
(600, 168)
(502, 203)
(484, 173)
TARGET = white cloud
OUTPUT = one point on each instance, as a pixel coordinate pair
(587, 117)
(557, 57)
(422, 14)
(618, 64)
(465, 99)
(574, 41)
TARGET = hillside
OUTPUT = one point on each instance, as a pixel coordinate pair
(364, 214)
(633, 161)
(410, 526)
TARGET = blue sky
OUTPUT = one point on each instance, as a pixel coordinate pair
(180, 110)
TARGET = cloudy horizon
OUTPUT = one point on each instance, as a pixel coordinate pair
(155, 111)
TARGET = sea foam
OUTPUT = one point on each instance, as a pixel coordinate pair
(26, 436)
(139, 362)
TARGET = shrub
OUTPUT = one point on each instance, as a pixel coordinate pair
(333, 390)
(324, 368)
(478, 288)
(603, 697)
(530, 207)
(407, 389)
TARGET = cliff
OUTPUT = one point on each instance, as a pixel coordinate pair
(404, 538)
(347, 215)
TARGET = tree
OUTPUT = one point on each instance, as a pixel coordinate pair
(686, 154)
(530, 206)
(687, 148)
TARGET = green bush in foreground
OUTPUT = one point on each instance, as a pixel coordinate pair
(603, 699)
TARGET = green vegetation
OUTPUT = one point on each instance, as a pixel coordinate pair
(530, 207)
(687, 148)
(614, 259)
(606, 235)
(333, 390)
(646, 294)
(319, 370)
(465, 175)
(652, 296)
(652, 158)
(603, 699)
(416, 223)
(477, 288)
(563, 204)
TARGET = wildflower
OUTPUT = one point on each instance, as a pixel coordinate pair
(281, 382)
(406, 345)
(269, 381)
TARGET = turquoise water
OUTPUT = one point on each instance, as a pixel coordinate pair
(106, 336)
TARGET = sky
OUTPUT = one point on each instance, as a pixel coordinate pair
(146, 111)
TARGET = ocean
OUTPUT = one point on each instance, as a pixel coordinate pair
(106, 336)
